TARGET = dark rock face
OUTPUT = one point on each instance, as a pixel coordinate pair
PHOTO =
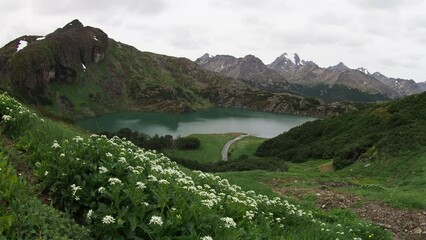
(57, 57)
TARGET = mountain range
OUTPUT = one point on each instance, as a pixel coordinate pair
(290, 72)
(77, 71)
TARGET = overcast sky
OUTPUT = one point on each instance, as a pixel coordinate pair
(388, 36)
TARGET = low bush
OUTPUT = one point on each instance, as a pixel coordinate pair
(187, 143)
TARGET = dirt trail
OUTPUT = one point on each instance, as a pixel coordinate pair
(404, 224)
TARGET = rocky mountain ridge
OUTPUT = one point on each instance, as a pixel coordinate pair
(334, 83)
(248, 69)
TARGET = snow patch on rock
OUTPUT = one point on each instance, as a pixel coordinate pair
(22, 45)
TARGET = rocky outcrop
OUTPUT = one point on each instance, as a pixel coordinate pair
(59, 56)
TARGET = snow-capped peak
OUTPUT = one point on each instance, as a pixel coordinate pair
(364, 70)
(292, 58)
(22, 45)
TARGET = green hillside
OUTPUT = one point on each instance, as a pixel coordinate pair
(379, 132)
(114, 190)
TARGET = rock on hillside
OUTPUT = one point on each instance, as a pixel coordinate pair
(56, 57)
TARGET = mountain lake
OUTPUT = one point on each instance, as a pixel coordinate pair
(215, 120)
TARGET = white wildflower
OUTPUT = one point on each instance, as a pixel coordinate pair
(108, 154)
(75, 188)
(89, 214)
(229, 222)
(78, 139)
(45, 173)
(102, 169)
(101, 190)
(249, 214)
(207, 202)
(122, 160)
(113, 181)
(163, 181)
(152, 178)
(6, 118)
(108, 219)
(56, 145)
(206, 238)
(156, 220)
(141, 185)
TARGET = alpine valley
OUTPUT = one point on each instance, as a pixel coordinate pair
(357, 171)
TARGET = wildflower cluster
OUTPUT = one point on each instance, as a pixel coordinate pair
(13, 115)
(116, 182)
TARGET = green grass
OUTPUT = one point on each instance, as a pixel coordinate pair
(404, 189)
(78, 93)
(247, 145)
(210, 149)
(252, 180)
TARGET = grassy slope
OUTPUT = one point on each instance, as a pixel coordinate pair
(402, 177)
(210, 149)
(376, 133)
(35, 141)
(247, 146)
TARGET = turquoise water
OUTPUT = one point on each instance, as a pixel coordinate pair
(217, 120)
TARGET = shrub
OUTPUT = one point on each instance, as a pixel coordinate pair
(187, 143)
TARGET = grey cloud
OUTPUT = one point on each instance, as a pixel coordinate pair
(239, 5)
(383, 4)
(188, 38)
(324, 37)
(332, 19)
(99, 7)
(399, 62)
